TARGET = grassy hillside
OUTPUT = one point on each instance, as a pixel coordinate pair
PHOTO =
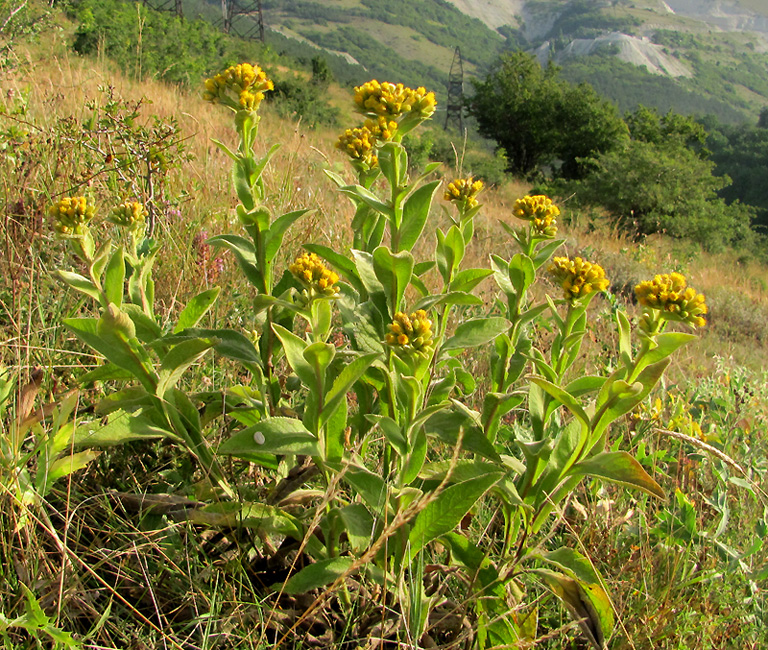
(130, 519)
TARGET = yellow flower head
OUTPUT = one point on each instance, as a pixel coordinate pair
(130, 214)
(463, 192)
(71, 215)
(241, 87)
(670, 295)
(382, 129)
(312, 273)
(359, 145)
(577, 277)
(394, 101)
(411, 334)
(540, 211)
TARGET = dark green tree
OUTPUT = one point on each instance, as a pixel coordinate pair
(741, 152)
(540, 120)
(650, 188)
(648, 125)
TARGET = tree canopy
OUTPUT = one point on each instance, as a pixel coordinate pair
(540, 120)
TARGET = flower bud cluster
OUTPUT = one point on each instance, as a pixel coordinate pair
(463, 192)
(313, 274)
(670, 295)
(382, 129)
(359, 145)
(393, 101)
(540, 211)
(241, 87)
(411, 334)
(71, 215)
(131, 215)
(577, 277)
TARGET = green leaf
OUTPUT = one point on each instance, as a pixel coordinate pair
(446, 425)
(373, 286)
(276, 435)
(120, 427)
(648, 378)
(476, 331)
(79, 283)
(317, 575)
(619, 467)
(666, 344)
(178, 359)
(335, 432)
(565, 398)
(241, 179)
(463, 470)
(446, 512)
(589, 601)
(369, 198)
(276, 232)
(69, 464)
(451, 298)
(228, 343)
(468, 279)
(371, 487)
(106, 372)
(147, 329)
(415, 214)
(115, 347)
(569, 442)
(319, 355)
(394, 271)
(115, 277)
(392, 432)
(625, 336)
(226, 149)
(521, 273)
(196, 309)
(449, 252)
(545, 252)
(344, 382)
(264, 518)
(359, 525)
(585, 385)
(294, 352)
(245, 253)
(417, 454)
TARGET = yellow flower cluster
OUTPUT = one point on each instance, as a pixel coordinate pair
(71, 214)
(130, 214)
(382, 129)
(540, 211)
(463, 192)
(412, 334)
(240, 87)
(392, 101)
(673, 298)
(577, 277)
(313, 274)
(359, 145)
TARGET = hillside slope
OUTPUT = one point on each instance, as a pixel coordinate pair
(693, 56)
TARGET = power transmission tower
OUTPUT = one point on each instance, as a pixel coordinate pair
(172, 6)
(454, 112)
(231, 9)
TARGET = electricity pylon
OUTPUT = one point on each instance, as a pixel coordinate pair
(173, 6)
(231, 9)
(454, 112)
